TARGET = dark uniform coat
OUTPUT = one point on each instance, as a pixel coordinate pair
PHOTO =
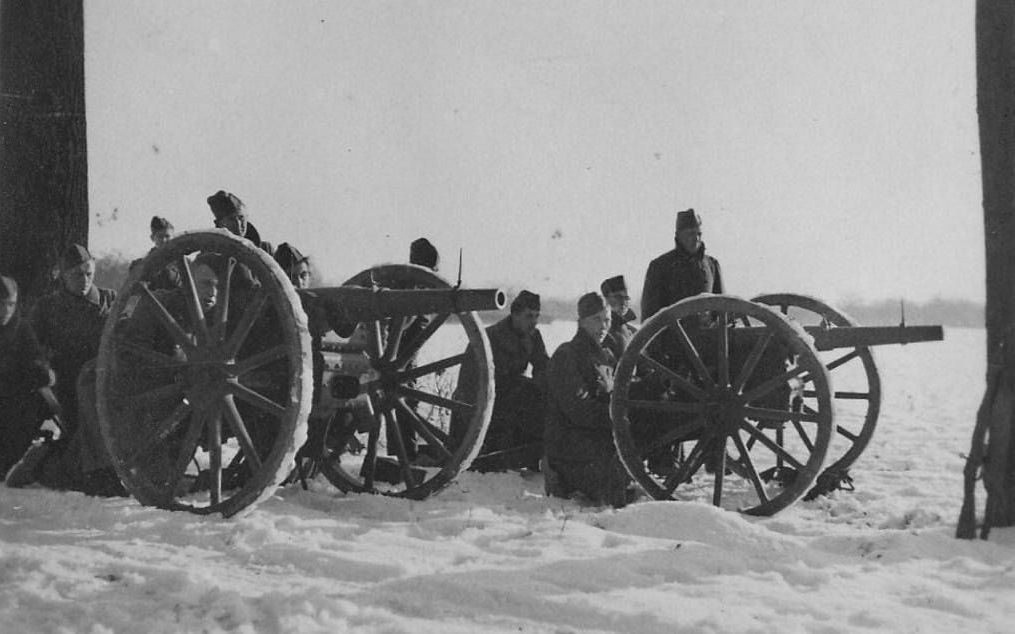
(23, 369)
(676, 275)
(70, 327)
(621, 333)
(168, 278)
(579, 434)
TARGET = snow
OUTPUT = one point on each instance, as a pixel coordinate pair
(492, 554)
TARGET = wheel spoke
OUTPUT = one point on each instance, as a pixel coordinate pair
(256, 399)
(187, 449)
(692, 354)
(764, 413)
(250, 315)
(803, 436)
(222, 305)
(670, 407)
(720, 471)
(772, 384)
(846, 396)
(724, 350)
(675, 379)
(691, 464)
(376, 337)
(176, 332)
(192, 301)
(675, 434)
(160, 431)
(406, 354)
(369, 466)
(214, 442)
(752, 360)
(426, 430)
(395, 331)
(843, 359)
(752, 471)
(768, 442)
(403, 457)
(842, 431)
(430, 368)
(240, 431)
(260, 359)
(433, 399)
(154, 358)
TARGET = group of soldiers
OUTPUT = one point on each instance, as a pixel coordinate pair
(550, 413)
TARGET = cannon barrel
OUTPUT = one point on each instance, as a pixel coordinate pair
(356, 303)
(866, 336)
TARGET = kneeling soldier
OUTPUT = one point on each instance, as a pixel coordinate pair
(580, 455)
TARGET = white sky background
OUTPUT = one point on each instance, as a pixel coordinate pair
(831, 147)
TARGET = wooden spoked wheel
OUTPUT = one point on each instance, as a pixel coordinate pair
(855, 375)
(722, 377)
(401, 442)
(202, 408)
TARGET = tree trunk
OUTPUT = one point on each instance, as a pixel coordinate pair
(43, 163)
(991, 451)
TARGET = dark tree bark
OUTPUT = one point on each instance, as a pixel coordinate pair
(991, 451)
(43, 163)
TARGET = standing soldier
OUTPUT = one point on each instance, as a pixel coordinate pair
(68, 323)
(231, 214)
(580, 455)
(621, 331)
(515, 434)
(683, 272)
(169, 277)
(23, 370)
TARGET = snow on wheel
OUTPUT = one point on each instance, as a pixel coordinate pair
(708, 398)
(203, 403)
(414, 426)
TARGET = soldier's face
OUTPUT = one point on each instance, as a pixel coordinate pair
(620, 302)
(597, 325)
(78, 279)
(7, 307)
(162, 237)
(525, 320)
(301, 275)
(689, 239)
(236, 223)
(207, 283)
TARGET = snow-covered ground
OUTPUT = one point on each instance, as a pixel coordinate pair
(491, 553)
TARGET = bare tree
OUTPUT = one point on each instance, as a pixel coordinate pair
(43, 162)
(991, 451)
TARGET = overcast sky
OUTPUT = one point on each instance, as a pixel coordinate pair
(830, 146)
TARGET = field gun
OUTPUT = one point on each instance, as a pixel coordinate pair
(743, 409)
(207, 409)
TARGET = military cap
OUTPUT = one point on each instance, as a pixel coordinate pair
(423, 253)
(8, 287)
(288, 257)
(590, 304)
(688, 219)
(160, 224)
(75, 255)
(224, 204)
(525, 300)
(613, 285)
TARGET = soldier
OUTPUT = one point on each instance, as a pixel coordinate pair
(516, 427)
(23, 370)
(231, 214)
(423, 253)
(580, 455)
(68, 323)
(295, 264)
(614, 290)
(161, 232)
(683, 272)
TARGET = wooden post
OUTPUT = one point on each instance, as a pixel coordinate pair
(991, 452)
(43, 163)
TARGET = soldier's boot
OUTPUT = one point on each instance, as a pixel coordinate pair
(553, 483)
(26, 470)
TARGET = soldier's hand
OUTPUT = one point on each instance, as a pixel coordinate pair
(604, 380)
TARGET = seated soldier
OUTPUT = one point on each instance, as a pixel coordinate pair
(614, 290)
(23, 371)
(231, 214)
(169, 277)
(515, 435)
(580, 454)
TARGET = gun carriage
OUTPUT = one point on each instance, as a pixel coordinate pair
(207, 410)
